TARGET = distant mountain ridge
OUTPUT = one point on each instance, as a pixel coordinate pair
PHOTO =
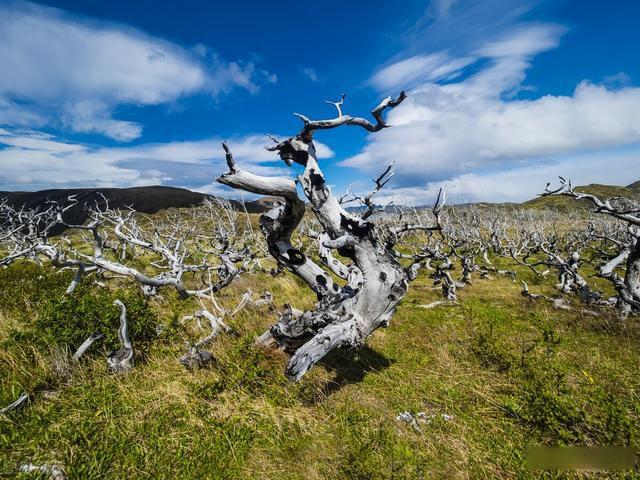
(142, 199)
(635, 187)
(152, 199)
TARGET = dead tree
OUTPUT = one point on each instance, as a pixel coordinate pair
(627, 287)
(557, 303)
(431, 249)
(197, 252)
(176, 245)
(26, 233)
(486, 232)
(196, 357)
(122, 359)
(347, 312)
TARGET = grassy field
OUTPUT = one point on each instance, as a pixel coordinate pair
(509, 372)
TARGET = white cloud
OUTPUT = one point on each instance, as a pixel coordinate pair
(519, 184)
(36, 141)
(419, 68)
(33, 160)
(224, 78)
(14, 113)
(310, 74)
(95, 117)
(459, 130)
(523, 41)
(50, 55)
(86, 68)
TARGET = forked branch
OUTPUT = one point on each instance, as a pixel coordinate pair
(312, 125)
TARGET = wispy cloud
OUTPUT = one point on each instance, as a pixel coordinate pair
(309, 73)
(524, 181)
(439, 9)
(33, 160)
(523, 41)
(462, 130)
(93, 116)
(58, 65)
(419, 68)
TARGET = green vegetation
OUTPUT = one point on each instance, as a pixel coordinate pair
(511, 372)
(565, 204)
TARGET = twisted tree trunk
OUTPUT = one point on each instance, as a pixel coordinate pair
(345, 315)
(122, 359)
(630, 294)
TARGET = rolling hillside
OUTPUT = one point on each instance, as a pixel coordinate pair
(152, 199)
(562, 203)
(142, 199)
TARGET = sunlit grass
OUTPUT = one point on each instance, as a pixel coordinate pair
(486, 361)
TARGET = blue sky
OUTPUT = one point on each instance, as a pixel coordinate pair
(503, 95)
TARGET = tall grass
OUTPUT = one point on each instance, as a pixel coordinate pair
(510, 372)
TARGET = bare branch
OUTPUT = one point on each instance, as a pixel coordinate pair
(86, 345)
(312, 125)
(123, 359)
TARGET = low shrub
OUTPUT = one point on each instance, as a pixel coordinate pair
(69, 320)
(35, 296)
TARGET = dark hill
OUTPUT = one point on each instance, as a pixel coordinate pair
(141, 199)
(634, 187)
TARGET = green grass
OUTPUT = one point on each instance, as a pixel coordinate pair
(565, 204)
(511, 372)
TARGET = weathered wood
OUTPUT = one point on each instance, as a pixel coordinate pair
(346, 314)
(196, 358)
(55, 472)
(168, 239)
(628, 288)
(19, 403)
(122, 359)
(86, 345)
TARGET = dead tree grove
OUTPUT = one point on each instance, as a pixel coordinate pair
(627, 247)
